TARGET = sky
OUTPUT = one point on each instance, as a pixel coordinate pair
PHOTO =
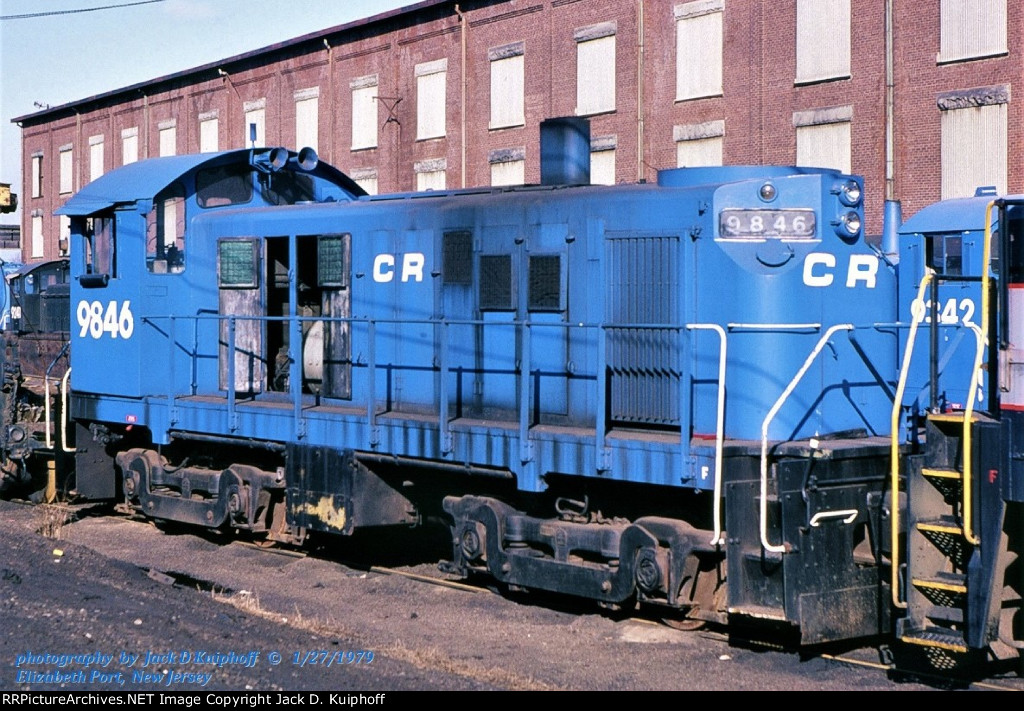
(60, 54)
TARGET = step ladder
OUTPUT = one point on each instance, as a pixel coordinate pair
(939, 541)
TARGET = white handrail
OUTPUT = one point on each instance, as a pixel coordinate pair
(718, 538)
(46, 410)
(64, 412)
(767, 421)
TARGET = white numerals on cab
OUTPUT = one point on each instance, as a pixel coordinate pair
(949, 313)
(114, 319)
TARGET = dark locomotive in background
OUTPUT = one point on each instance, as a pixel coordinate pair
(710, 394)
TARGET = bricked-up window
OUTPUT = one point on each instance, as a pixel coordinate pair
(67, 176)
(364, 112)
(508, 166)
(496, 283)
(168, 138)
(822, 40)
(307, 119)
(209, 132)
(699, 49)
(366, 178)
(457, 267)
(823, 138)
(602, 160)
(37, 175)
(255, 114)
(95, 157)
(64, 232)
(431, 174)
(431, 100)
(970, 29)
(507, 85)
(38, 242)
(595, 69)
(129, 145)
(699, 144)
(974, 140)
(545, 283)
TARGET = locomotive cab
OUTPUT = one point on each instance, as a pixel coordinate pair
(134, 263)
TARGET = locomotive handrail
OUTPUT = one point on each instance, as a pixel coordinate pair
(774, 326)
(767, 421)
(981, 335)
(968, 417)
(64, 413)
(894, 447)
(717, 538)
(46, 390)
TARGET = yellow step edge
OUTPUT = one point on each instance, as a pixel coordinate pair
(941, 645)
(933, 585)
(949, 417)
(941, 528)
(942, 473)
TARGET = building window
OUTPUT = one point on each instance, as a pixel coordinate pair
(822, 40)
(508, 166)
(699, 49)
(699, 144)
(974, 140)
(255, 134)
(168, 137)
(595, 69)
(307, 119)
(970, 29)
(129, 145)
(364, 112)
(38, 245)
(209, 132)
(67, 179)
(602, 160)
(65, 234)
(507, 85)
(366, 179)
(431, 87)
(37, 175)
(431, 174)
(95, 157)
(823, 138)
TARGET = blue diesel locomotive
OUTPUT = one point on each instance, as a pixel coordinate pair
(699, 394)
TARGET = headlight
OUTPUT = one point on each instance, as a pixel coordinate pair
(849, 193)
(848, 225)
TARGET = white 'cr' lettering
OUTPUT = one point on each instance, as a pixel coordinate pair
(819, 268)
(412, 267)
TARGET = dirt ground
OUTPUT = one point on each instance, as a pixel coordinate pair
(85, 609)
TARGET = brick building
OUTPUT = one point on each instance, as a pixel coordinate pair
(915, 97)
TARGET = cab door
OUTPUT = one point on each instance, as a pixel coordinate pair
(105, 303)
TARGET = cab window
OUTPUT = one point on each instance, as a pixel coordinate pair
(165, 232)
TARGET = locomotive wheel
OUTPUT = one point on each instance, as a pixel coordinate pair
(684, 623)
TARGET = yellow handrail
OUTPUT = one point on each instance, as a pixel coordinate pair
(976, 374)
(894, 448)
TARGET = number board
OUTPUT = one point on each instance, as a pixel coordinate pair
(765, 224)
